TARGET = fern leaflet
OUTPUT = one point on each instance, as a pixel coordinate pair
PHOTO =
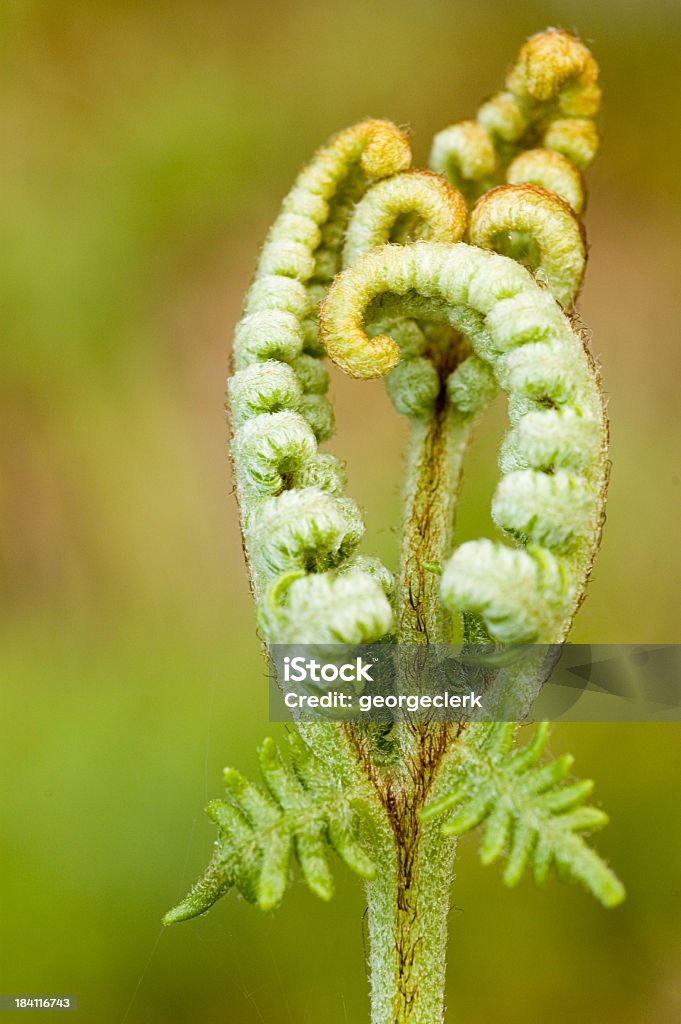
(526, 811)
(301, 809)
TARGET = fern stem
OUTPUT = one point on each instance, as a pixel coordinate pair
(435, 459)
(408, 905)
(408, 902)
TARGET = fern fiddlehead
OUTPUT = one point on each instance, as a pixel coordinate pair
(385, 269)
(516, 216)
(295, 518)
(529, 196)
(551, 98)
(539, 361)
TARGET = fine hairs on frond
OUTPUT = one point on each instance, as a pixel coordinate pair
(526, 811)
(539, 361)
(293, 512)
(451, 283)
(511, 213)
(551, 97)
(300, 811)
(524, 156)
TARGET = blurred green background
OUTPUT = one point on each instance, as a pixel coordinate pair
(146, 147)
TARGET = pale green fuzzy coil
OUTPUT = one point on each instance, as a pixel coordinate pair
(521, 595)
(551, 509)
(294, 515)
(302, 529)
(263, 388)
(413, 386)
(437, 212)
(269, 334)
(421, 194)
(549, 170)
(268, 451)
(506, 218)
(551, 439)
(472, 386)
(464, 153)
(348, 605)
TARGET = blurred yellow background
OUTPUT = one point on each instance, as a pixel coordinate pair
(146, 147)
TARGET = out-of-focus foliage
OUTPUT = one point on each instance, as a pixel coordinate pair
(145, 150)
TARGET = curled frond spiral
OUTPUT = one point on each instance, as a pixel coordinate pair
(515, 219)
(547, 107)
(294, 516)
(464, 153)
(551, 503)
(428, 196)
(415, 204)
(551, 171)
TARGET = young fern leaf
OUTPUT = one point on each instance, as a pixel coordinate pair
(298, 527)
(422, 194)
(525, 811)
(416, 205)
(301, 811)
(385, 269)
(532, 214)
(512, 219)
(551, 96)
(551, 494)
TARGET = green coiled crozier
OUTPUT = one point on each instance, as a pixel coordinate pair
(551, 494)
(388, 271)
(295, 518)
(523, 159)
(540, 129)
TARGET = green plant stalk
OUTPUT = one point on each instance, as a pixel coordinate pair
(435, 460)
(408, 906)
(408, 903)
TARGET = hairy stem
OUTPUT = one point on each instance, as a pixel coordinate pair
(408, 906)
(409, 901)
(436, 453)
(436, 450)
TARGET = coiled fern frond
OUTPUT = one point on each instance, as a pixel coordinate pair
(551, 494)
(296, 521)
(539, 129)
(451, 283)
